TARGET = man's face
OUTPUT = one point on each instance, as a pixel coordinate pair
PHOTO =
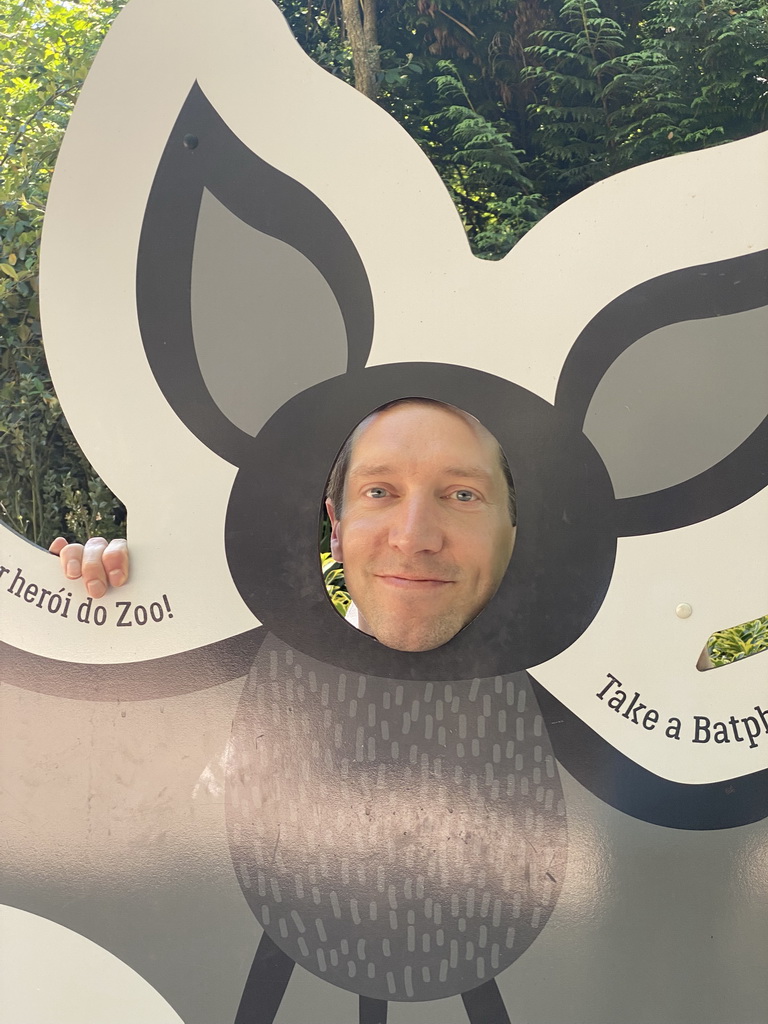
(425, 533)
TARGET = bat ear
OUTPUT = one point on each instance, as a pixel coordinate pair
(670, 383)
(249, 290)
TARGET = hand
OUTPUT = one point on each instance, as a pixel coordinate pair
(100, 564)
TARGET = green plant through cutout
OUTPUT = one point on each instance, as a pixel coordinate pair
(736, 643)
(333, 576)
(333, 571)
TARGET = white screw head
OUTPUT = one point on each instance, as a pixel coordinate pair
(683, 611)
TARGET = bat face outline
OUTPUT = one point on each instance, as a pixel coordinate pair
(287, 591)
(569, 521)
(292, 602)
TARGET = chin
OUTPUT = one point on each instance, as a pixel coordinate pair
(415, 645)
(426, 640)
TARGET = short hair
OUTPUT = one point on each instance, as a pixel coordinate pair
(334, 490)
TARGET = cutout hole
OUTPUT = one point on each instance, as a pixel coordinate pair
(420, 523)
(734, 644)
(333, 571)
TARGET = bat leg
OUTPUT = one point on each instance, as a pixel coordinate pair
(484, 1005)
(267, 981)
(373, 1011)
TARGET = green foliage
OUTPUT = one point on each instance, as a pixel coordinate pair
(333, 571)
(333, 575)
(739, 642)
(699, 78)
(46, 48)
(480, 165)
(320, 32)
(573, 70)
(694, 76)
(48, 487)
(521, 106)
(503, 222)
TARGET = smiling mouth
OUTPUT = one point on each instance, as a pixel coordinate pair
(414, 582)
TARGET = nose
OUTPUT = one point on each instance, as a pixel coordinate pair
(416, 526)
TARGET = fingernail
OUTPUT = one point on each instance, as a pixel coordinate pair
(117, 578)
(96, 588)
(73, 570)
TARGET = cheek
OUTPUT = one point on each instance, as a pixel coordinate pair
(492, 557)
(476, 557)
(358, 543)
(507, 545)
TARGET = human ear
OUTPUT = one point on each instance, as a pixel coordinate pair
(336, 549)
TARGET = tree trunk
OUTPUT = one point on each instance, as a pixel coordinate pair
(360, 21)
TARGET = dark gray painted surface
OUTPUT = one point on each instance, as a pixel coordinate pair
(680, 399)
(266, 323)
(402, 840)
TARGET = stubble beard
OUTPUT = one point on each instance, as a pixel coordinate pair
(415, 636)
(407, 625)
(411, 628)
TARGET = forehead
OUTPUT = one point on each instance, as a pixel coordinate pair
(416, 436)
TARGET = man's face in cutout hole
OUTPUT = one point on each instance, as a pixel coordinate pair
(422, 521)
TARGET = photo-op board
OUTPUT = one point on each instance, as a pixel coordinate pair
(222, 803)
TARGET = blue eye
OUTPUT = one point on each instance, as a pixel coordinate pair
(376, 492)
(465, 495)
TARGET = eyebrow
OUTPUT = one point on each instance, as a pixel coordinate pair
(372, 470)
(384, 469)
(468, 472)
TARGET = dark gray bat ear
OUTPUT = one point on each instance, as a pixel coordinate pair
(249, 290)
(670, 383)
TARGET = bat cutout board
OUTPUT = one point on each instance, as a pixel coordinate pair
(211, 777)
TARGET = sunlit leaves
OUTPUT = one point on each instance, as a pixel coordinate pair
(738, 642)
(333, 576)
(46, 484)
